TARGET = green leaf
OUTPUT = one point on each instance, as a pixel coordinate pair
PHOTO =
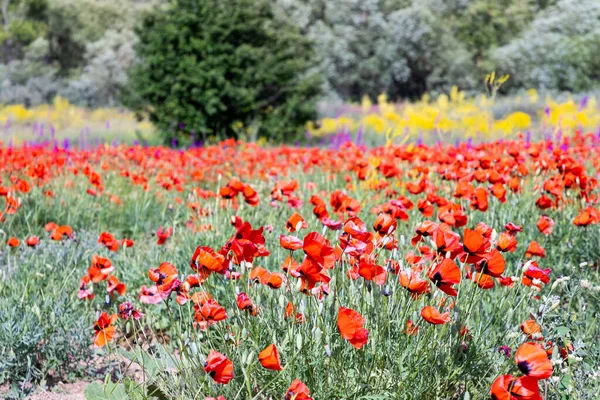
(562, 330)
(155, 392)
(109, 391)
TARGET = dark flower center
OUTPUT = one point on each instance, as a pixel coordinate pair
(524, 367)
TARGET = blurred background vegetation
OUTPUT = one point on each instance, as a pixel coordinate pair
(84, 50)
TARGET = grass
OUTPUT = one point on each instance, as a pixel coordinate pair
(47, 331)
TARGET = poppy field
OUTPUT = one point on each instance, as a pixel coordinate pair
(236, 271)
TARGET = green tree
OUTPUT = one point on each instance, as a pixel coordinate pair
(221, 67)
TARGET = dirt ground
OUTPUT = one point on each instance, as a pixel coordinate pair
(62, 391)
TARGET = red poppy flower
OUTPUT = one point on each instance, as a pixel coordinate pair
(506, 242)
(295, 223)
(244, 303)
(411, 328)
(545, 224)
(127, 243)
(531, 329)
(163, 235)
(513, 229)
(535, 249)
(219, 367)
(507, 387)
(297, 391)
(109, 241)
(60, 232)
(319, 250)
(320, 208)
(127, 311)
(447, 241)
(589, 216)
(164, 276)
(532, 360)
(445, 275)
(275, 280)
(114, 285)
(506, 281)
(312, 273)
(331, 224)
(84, 292)
(412, 282)
(231, 190)
(150, 295)
(492, 264)
(290, 242)
(32, 241)
(269, 358)
(372, 272)
(209, 314)
(479, 200)
(425, 229)
(484, 281)
(534, 275)
(544, 202)
(259, 275)
(13, 242)
(250, 196)
(350, 324)
(104, 331)
(384, 224)
(50, 226)
(355, 227)
(100, 269)
(473, 242)
(499, 191)
(433, 316)
(206, 261)
(290, 311)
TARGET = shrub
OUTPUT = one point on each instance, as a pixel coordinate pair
(559, 51)
(213, 67)
(400, 48)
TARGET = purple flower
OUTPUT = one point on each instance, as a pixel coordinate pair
(505, 350)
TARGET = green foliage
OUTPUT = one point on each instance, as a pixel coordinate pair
(399, 47)
(211, 66)
(41, 340)
(560, 50)
(105, 75)
(485, 24)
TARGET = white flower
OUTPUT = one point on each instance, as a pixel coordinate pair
(585, 284)
(560, 280)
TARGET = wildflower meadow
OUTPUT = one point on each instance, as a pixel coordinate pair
(240, 271)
